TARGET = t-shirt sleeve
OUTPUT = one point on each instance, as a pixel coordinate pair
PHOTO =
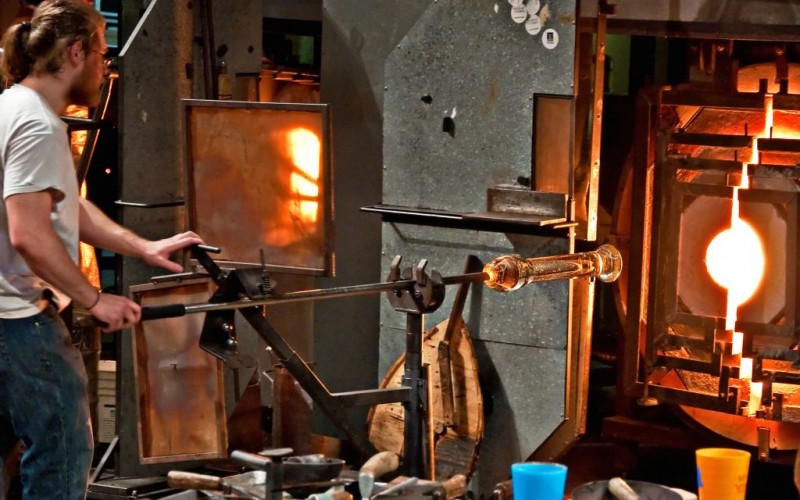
(31, 161)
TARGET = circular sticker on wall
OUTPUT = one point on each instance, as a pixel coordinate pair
(519, 14)
(515, 3)
(550, 38)
(533, 25)
(533, 7)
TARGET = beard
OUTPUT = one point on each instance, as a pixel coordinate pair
(86, 90)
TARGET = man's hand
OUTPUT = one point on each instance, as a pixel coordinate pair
(157, 253)
(98, 230)
(116, 312)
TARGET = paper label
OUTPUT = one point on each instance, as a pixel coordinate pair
(550, 38)
(519, 14)
(533, 25)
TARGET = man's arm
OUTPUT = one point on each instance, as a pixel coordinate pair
(33, 236)
(98, 230)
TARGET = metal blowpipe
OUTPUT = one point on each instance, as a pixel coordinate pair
(508, 273)
(502, 274)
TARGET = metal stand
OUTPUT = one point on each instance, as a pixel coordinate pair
(409, 290)
(416, 406)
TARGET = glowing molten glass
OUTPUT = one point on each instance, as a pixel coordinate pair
(735, 260)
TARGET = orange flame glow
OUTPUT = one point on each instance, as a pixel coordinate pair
(746, 369)
(304, 147)
(756, 390)
(87, 257)
(737, 343)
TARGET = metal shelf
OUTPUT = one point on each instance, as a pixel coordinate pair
(476, 221)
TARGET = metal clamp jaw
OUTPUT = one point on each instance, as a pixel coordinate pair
(218, 336)
(426, 293)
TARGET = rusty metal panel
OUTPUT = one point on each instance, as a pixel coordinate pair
(515, 203)
(267, 167)
(553, 148)
(179, 387)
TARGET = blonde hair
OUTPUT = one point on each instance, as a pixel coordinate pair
(37, 47)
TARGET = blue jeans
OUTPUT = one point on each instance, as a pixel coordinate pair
(43, 402)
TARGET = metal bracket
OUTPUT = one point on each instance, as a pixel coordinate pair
(426, 293)
(422, 390)
(218, 338)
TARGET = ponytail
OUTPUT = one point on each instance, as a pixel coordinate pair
(15, 63)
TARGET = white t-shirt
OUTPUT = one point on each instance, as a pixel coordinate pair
(34, 156)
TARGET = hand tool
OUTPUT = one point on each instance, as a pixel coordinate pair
(397, 488)
(377, 465)
(194, 481)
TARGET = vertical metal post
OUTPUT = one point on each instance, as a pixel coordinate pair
(209, 48)
(413, 378)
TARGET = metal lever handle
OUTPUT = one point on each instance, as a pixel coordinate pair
(165, 311)
(134, 204)
(176, 310)
(208, 248)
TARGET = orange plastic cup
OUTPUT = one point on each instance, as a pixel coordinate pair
(722, 473)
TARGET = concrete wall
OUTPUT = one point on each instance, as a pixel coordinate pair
(304, 10)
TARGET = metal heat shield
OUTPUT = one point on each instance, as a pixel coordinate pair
(179, 387)
(259, 183)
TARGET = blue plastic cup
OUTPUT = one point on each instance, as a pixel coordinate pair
(538, 481)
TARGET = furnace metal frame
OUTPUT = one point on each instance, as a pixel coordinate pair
(655, 315)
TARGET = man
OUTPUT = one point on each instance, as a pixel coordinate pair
(55, 59)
